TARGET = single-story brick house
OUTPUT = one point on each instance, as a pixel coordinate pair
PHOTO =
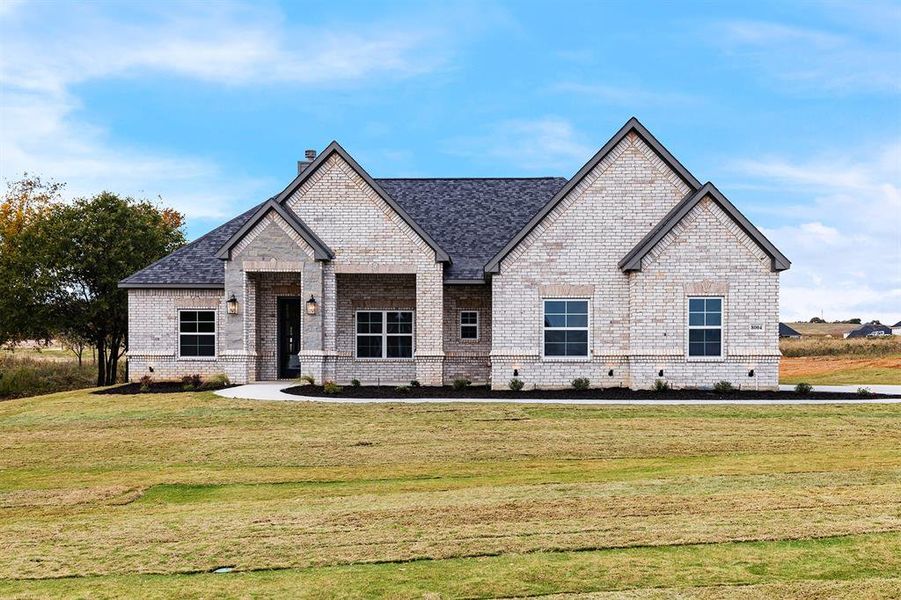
(628, 272)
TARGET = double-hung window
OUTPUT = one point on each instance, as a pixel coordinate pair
(566, 328)
(705, 327)
(384, 334)
(469, 325)
(196, 333)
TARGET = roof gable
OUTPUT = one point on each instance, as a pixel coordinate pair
(320, 250)
(632, 260)
(335, 148)
(632, 125)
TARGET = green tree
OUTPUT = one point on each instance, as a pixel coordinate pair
(71, 260)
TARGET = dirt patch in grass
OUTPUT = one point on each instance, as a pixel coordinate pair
(477, 392)
(825, 370)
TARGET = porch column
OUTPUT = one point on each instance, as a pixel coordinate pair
(430, 326)
(312, 359)
(237, 344)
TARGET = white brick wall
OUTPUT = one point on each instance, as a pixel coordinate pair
(575, 253)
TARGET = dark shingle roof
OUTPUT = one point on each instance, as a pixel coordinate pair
(194, 265)
(865, 330)
(471, 219)
(786, 331)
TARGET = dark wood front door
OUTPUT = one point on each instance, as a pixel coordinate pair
(288, 338)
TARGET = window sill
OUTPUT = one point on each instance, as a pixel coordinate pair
(384, 360)
(703, 359)
(564, 359)
(198, 358)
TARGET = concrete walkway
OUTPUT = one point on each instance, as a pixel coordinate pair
(273, 391)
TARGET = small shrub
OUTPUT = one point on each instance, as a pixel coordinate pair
(461, 383)
(864, 392)
(354, 383)
(661, 386)
(214, 382)
(414, 383)
(145, 382)
(515, 384)
(723, 387)
(191, 382)
(330, 387)
(581, 383)
(403, 389)
(307, 380)
(803, 389)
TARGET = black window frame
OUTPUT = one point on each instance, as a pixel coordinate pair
(189, 329)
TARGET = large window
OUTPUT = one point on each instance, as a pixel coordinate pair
(196, 333)
(566, 328)
(705, 327)
(469, 325)
(384, 334)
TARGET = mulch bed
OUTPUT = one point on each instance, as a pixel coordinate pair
(157, 387)
(389, 392)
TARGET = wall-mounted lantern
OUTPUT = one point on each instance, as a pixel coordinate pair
(232, 305)
(311, 305)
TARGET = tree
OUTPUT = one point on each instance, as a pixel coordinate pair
(71, 259)
(817, 320)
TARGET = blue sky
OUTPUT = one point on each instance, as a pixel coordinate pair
(792, 110)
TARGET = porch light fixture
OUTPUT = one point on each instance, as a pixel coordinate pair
(232, 305)
(311, 305)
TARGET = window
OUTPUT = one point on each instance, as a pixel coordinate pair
(196, 333)
(469, 324)
(384, 334)
(566, 328)
(705, 327)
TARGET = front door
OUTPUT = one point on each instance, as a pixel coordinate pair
(288, 338)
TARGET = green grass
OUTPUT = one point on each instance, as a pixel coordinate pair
(111, 496)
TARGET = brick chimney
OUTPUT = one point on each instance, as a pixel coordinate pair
(309, 157)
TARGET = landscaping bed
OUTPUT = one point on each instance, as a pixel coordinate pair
(160, 387)
(612, 393)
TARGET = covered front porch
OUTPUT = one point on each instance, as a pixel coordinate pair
(377, 328)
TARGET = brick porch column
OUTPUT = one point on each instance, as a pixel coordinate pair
(430, 326)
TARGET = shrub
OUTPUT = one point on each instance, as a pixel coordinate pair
(214, 382)
(191, 382)
(581, 383)
(330, 387)
(661, 386)
(414, 383)
(723, 387)
(515, 384)
(307, 380)
(26, 376)
(145, 382)
(461, 383)
(402, 389)
(354, 383)
(803, 389)
(862, 391)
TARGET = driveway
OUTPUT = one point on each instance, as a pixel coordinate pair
(273, 391)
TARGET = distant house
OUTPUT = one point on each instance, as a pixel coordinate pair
(896, 328)
(787, 332)
(869, 331)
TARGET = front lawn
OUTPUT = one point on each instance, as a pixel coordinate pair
(144, 495)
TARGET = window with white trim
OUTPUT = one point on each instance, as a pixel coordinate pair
(384, 334)
(705, 327)
(196, 333)
(469, 324)
(566, 328)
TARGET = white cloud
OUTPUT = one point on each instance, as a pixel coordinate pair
(809, 59)
(49, 49)
(546, 145)
(842, 232)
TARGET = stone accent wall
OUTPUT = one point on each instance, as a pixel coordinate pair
(467, 358)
